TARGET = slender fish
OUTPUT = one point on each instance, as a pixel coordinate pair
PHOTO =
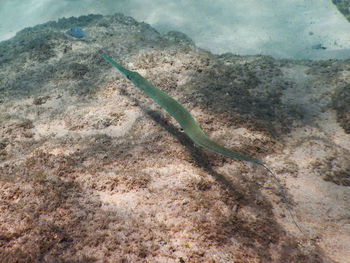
(188, 123)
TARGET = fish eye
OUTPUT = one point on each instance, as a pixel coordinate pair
(128, 76)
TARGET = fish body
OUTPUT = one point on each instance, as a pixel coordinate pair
(76, 32)
(188, 123)
(181, 114)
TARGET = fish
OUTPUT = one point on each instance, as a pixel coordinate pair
(76, 32)
(189, 124)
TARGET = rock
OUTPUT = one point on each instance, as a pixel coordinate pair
(88, 163)
(343, 6)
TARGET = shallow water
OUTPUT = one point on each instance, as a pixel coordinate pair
(91, 170)
(283, 29)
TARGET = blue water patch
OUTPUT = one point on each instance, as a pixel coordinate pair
(76, 32)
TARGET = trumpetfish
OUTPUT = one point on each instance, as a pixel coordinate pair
(189, 124)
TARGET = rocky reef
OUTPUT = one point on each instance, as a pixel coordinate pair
(91, 170)
(344, 7)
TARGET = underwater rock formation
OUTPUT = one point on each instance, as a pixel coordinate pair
(344, 7)
(92, 170)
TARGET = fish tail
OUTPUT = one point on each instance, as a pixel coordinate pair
(284, 197)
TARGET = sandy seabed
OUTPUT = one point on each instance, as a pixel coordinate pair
(91, 170)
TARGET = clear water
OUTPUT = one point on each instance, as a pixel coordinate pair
(74, 133)
(312, 29)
